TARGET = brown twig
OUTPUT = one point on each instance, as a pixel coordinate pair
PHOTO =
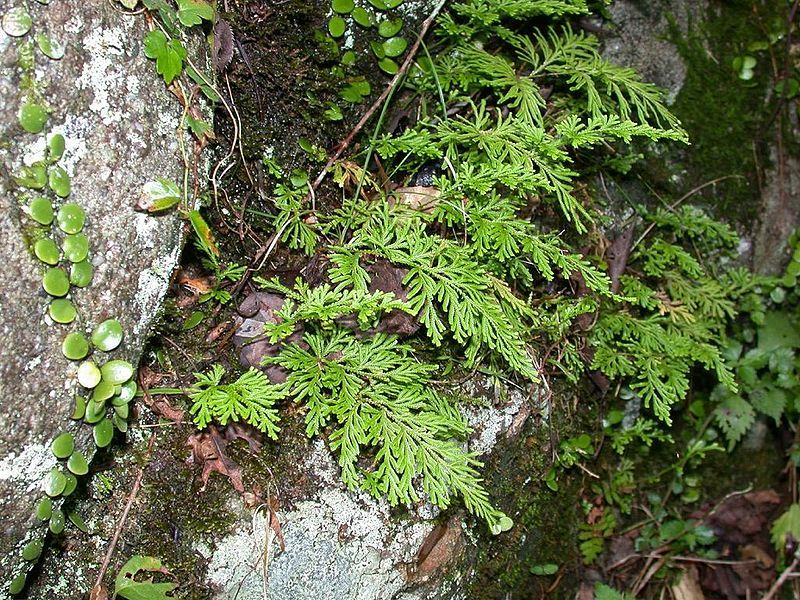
(345, 143)
(121, 523)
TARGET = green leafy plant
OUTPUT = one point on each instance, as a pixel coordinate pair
(250, 399)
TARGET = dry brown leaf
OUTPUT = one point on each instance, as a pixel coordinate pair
(209, 450)
(418, 197)
(99, 592)
(753, 552)
(688, 588)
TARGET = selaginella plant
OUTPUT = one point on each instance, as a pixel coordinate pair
(481, 199)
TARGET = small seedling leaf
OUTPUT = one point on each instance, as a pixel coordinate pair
(194, 12)
(127, 587)
(336, 26)
(168, 54)
(159, 195)
(32, 117)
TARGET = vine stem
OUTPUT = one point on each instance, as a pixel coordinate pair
(121, 523)
(345, 143)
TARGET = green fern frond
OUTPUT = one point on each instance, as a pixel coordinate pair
(376, 396)
(250, 399)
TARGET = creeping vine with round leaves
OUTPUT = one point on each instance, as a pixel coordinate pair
(58, 229)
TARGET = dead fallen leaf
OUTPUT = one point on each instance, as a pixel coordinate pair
(209, 450)
(222, 52)
(99, 592)
(688, 587)
(418, 197)
(753, 552)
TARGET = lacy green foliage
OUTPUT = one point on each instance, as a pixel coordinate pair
(520, 114)
(376, 398)
(251, 398)
(447, 290)
(676, 313)
(529, 103)
(324, 305)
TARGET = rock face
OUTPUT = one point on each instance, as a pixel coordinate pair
(119, 124)
(638, 39)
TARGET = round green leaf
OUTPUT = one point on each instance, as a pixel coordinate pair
(57, 522)
(75, 346)
(34, 176)
(46, 251)
(108, 335)
(121, 411)
(49, 47)
(342, 6)
(41, 210)
(390, 28)
(379, 4)
(78, 521)
(362, 17)
(59, 182)
(71, 484)
(126, 393)
(55, 282)
(80, 408)
(103, 433)
(63, 445)
(80, 274)
(62, 310)
(395, 46)
(336, 26)
(32, 117)
(89, 374)
(378, 50)
(44, 509)
(77, 464)
(117, 371)
(33, 550)
(71, 217)
(76, 247)
(94, 411)
(55, 146)
(120, 424)
(348, 58)
(54, 483)
(17, 22)
(17, 585)
(388, 66)
(103, 391)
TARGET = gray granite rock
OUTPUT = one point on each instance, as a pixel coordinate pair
(120, 124)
